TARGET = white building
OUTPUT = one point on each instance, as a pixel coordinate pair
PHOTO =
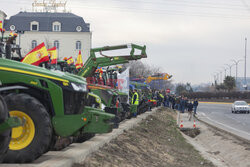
(67, 31)
(2, 16)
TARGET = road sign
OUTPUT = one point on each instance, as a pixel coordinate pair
(168, 90)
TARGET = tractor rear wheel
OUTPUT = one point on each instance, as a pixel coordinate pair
(32, 139)
(6, 135)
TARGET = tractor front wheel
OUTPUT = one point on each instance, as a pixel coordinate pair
(32, 139)
(6, 135)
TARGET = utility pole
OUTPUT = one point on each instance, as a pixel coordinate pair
(245, 72)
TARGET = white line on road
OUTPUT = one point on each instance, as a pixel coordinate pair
(226, 125)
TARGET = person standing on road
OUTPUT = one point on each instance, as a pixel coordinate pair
(195, 104)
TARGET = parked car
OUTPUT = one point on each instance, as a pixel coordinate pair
(240, 107)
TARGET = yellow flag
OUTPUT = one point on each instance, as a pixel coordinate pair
(1, 25)
(70, 61)
(53, 55)
(79, 62)
(36, 56)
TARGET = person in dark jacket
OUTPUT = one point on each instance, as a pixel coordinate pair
(173, 102)
(195, 104)
(190, 109)
(178, 103)
(183, 104)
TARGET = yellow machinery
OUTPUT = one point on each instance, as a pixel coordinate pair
(160, 76)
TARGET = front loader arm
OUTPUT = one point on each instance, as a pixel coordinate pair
(163, 77)
(94, 62)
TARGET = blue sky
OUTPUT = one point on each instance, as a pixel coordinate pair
(190, 39)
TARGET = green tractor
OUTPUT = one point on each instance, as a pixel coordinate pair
(90, 66)
(114, 101)
(51, 104)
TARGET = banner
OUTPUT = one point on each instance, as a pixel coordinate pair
(123, 81)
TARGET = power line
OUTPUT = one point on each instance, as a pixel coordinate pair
(158, 11)
(245, 5)
(182, 2)
(173, 12)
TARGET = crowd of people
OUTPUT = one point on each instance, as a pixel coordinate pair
(179, 103)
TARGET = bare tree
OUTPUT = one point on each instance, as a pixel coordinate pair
(142, 70)
(139, 69)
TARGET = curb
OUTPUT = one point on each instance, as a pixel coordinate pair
(178, 118)
(78, 152)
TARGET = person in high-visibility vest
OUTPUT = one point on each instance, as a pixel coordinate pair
(135, 103)
(161, 98)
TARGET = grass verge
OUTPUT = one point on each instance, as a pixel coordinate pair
(156, 141)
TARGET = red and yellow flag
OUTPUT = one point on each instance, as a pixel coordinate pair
(70, 61)
(53, 55)
(79, 62)
(12, 34)
(1, 25)
(37, 55)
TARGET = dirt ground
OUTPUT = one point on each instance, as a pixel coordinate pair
(222, 148)
(155, 142)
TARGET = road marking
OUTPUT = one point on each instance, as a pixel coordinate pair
(216, 102)
(228, 126)
(206, 102)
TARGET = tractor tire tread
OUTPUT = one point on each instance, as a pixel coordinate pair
(43, 128)
(6, 135)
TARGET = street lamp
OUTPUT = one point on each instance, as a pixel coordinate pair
(215, 78)
(230, 68)
(245, 70)
(220, 72)
(218, 77)
(225, 71)
(236, 74)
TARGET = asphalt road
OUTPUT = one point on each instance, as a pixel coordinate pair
(221, 116)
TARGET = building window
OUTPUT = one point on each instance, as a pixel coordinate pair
(56, 26)
(12, 28)
(34, 26)
(56, 44)
(78, 28)
(33, 44)
(78, 45)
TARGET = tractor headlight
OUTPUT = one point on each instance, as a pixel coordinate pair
(79, 87)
